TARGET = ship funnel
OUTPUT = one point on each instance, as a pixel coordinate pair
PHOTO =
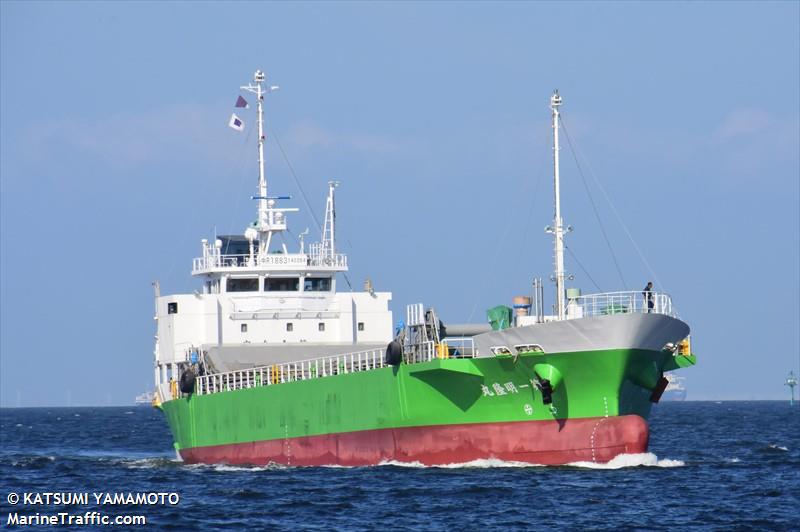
(522, 305)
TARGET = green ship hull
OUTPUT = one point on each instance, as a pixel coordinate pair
(446, 410)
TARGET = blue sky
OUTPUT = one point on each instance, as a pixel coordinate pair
(116, 160)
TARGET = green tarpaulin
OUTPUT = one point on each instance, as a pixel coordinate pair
(499, 317)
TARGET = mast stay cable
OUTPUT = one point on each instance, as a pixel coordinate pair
(619, 217)
(302, 192)
(572, 254)
(296, 179)
(594, 207)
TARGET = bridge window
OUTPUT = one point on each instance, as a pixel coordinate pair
(321, 327)
(249, 284)
(317, 284)
(360, 325)
(289, 327)
(281, 284)
(244, 327)
(172, 308)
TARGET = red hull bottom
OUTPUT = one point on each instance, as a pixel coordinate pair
(535, 442)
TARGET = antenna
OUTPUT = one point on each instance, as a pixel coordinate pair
(302, 237)
(269, 218)
(328, 233)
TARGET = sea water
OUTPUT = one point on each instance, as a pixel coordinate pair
(710, 466)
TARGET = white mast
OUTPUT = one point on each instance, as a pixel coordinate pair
(558, 229)
(262, 179)
(269, 219)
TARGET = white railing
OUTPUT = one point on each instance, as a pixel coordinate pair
(460, 347)
(291, 371)
(620, 303)
(419, 352)
(451, 347)
(336, 261)
(326, 367)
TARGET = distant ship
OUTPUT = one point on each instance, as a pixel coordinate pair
(675, 390)
(269, 362)
(145, 398)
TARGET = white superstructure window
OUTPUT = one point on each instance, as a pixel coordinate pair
(281, 284)
(321, 327)
(246, 284)
(317, 284)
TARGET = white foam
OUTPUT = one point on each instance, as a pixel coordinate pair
(477, 464)
(481, 463)
(778, 447)
(26, 460)
(619, 462)
(485, 463)
(224, 468)
(631, 460)
(269, 467)
(401, 464)
(150, 463)
(734, 460)
(228, 468)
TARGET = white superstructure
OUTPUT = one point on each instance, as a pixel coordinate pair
(260, 303)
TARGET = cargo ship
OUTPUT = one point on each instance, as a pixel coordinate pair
(270, 361)
(144, 399)
(675, 390)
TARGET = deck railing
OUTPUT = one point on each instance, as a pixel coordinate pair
(291, 371)
(289, 260)
(326, 367)
(620, 303)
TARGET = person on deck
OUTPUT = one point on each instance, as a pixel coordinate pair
(647, 294)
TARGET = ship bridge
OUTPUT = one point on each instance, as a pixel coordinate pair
(232, 254)
(262, 304)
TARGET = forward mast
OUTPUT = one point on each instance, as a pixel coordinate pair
(558, 230)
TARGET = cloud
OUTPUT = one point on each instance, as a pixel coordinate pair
(308, 135)
(743, 122)
(172, 133)
(755, 144)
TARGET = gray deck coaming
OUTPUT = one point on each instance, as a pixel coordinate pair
(235, 357)
(596, 333)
